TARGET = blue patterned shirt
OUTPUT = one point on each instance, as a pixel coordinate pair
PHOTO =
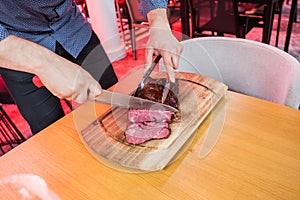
(147, 5)
(49, 21)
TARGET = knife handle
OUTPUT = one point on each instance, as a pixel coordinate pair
(37, 82)
(152, 66)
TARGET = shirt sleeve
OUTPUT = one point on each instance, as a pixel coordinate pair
(3, 32)
(147, 5)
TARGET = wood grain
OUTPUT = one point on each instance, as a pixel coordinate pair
(105, 136)
(257, 156)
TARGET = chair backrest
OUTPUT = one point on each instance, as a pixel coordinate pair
(215, 15)
(245, 66)
(10, 136)
(134, 13)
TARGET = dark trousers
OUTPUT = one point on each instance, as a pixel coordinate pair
(37, 105)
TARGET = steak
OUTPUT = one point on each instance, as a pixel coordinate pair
(137, 116)
(153, 90)
(152, 124)
(138, 133)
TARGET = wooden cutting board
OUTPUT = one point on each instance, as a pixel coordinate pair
(197, 96)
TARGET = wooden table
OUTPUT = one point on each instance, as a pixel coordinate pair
(257, 156)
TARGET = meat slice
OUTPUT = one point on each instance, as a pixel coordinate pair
(137, 116)
(151, 124)
(138, 133)
(153, 90)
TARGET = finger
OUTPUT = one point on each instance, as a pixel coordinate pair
(94, 90)
(81, 98)
(148, 58)
(167, 59)
(75, 105)
(175, 61)
(81, 95)
(65, 94)
(169, 67)
(156, 52)
(171, 73)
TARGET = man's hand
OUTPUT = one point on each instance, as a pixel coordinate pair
(61, 77)
(70, 82)
(162, 42)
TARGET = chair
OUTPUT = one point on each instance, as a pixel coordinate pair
(220, 16)
(292, 19)
(137, 20)
(245, 66)
(259, 11)
(10, 136)
(278, 11)
(295, 17)
(119, 4)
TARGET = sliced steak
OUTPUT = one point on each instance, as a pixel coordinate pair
(138, 133)
(137, 116)
(153, 90)
(152, 124)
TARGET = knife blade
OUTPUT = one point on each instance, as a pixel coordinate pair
(128, 101)
(166, 90)
(147, 74)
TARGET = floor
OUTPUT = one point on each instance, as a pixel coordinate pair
(128, 63)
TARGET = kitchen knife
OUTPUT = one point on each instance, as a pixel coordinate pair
(166, 90)
(128, 101)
